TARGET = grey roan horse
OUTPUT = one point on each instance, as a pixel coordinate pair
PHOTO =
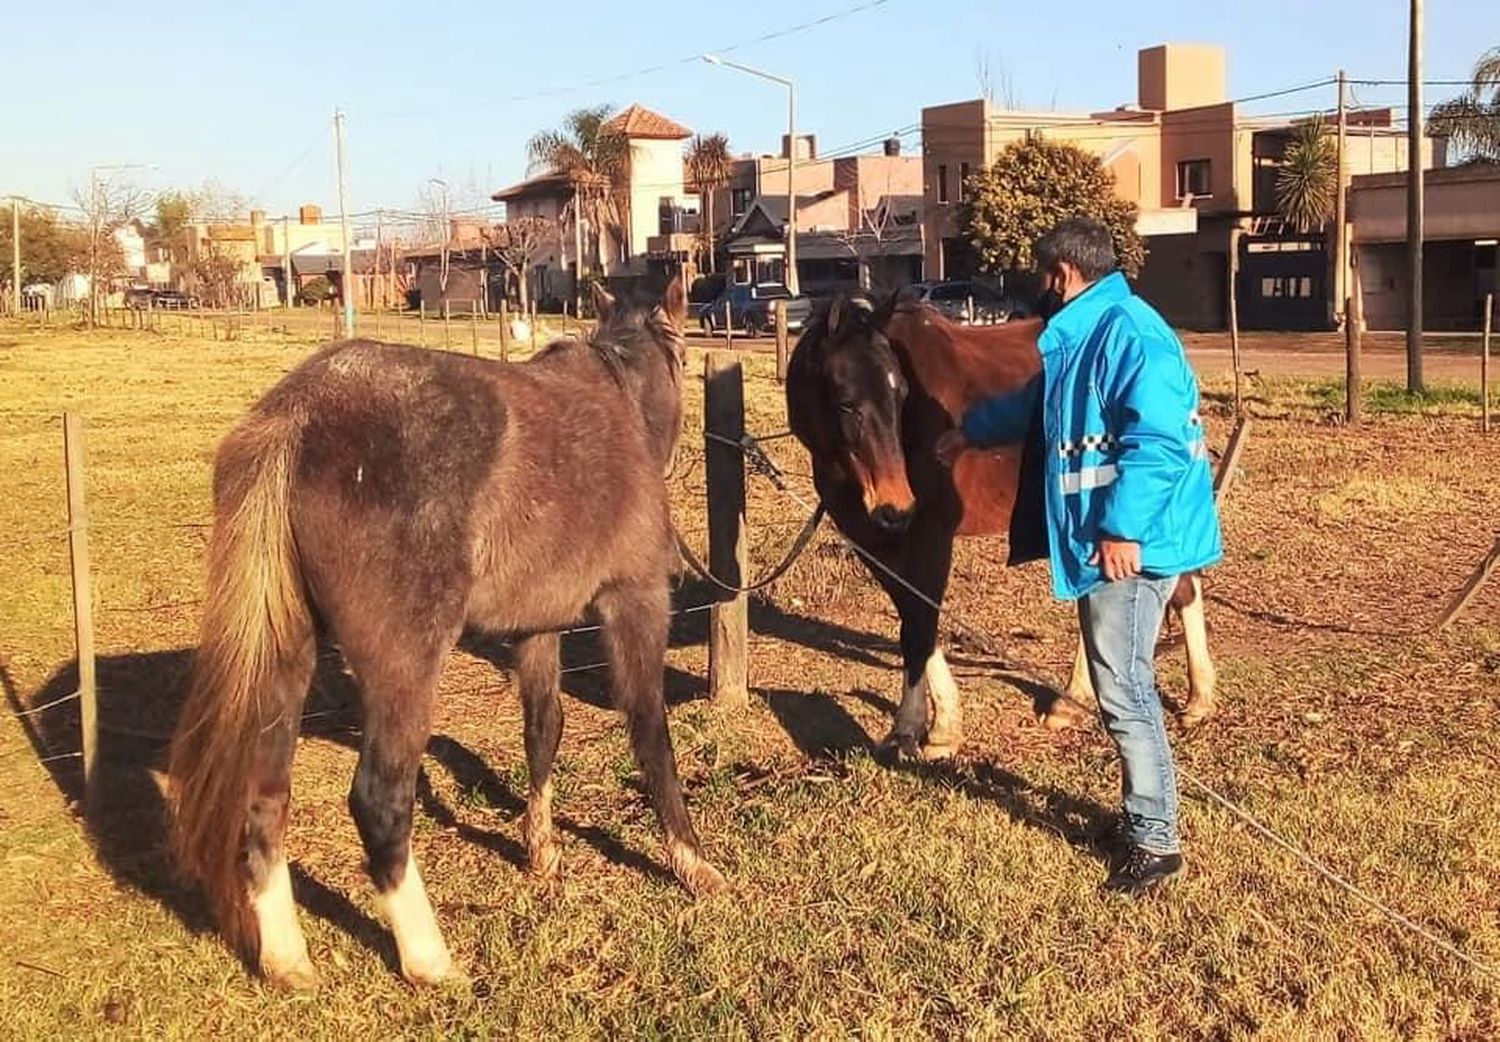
(384, 497)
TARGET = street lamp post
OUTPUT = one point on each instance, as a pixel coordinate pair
(792, 282)
(443, 246)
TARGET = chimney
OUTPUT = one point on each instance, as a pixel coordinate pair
(310, 214)
(893, 146)
(807, 147)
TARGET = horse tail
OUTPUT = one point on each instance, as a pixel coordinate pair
(256, 623)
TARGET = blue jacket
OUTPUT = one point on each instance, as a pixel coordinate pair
(1124, 448)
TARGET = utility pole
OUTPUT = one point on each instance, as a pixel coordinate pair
(347, 278)
(791, 190)
(286, 261)
(375, 277)
(15, 254)
(1341, 215)
(1414, 202)
(577, 252)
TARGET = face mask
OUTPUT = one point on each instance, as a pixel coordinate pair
(1049, 304)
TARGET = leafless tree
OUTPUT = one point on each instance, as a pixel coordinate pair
(217, 276)
(874, 225)
(516, 242)
(996, 84)
(107, 204)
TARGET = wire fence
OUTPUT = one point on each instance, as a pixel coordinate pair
(760, 462)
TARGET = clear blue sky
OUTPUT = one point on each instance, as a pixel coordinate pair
(244, 93)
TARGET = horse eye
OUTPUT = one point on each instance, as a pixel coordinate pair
(849, 408)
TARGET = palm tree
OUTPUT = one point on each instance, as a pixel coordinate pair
(1472, 120)
(595, 158)
(708, 167)
(1307, 183)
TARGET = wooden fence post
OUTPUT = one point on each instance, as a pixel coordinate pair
(83, 605)
(447, 328)
(504, 332)
(1229, 465)
(728, 324)
(781, 341)
(1467, 592)
(474, 331)
(724, 466)
(1234, 321)
(1354, 332)
(1484, 363)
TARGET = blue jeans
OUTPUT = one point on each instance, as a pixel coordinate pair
(1120, 622)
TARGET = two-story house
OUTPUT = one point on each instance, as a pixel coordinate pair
(1195, 164)
(657, 213)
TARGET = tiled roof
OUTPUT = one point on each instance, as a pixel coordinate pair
(550, 183)
(640, 122)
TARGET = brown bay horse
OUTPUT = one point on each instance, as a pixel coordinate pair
(382, 498)
(869, 392)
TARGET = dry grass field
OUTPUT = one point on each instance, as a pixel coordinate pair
(946, 900)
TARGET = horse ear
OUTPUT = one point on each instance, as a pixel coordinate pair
(885, 309)
(675, 301)
(604, 304)
(835, 313)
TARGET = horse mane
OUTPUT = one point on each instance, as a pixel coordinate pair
(624, 340)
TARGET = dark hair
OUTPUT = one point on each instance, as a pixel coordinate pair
(1081, 242)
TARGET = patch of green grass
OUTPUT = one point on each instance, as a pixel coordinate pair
(1394, 399)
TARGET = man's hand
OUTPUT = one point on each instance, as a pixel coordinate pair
(949, 445)
(1118, 559)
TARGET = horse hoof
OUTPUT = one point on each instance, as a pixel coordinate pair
(694, 871)
(1063, 715)
(436, 972)
(543, 862)
(932, 751)
(904, 747)
(1197, 712)
(297, 976)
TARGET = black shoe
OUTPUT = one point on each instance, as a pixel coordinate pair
(1142, 871)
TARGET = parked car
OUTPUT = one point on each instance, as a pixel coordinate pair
(705, 290)
(970, 302)
(750, 309)
(143, 297)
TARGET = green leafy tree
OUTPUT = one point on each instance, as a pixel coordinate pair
(1472, 120)
(595, 157)
(708, 167)
(1307, 183)
(1033, 185)
(49, 248)
(174, 211)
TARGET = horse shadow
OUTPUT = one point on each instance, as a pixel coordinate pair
(140, 697)
(824, 730)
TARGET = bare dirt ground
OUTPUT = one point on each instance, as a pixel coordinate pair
(947, 900)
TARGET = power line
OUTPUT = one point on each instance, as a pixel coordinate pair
(647, 70)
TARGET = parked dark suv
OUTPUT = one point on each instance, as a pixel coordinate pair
(750, 309)
(143, 297)
(969, 302)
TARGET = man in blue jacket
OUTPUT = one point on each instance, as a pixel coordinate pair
(1129, 507)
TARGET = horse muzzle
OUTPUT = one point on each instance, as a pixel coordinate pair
(891, 519)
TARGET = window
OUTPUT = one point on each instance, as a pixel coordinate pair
(963, 180)
(1194, 178)
(739, 201)
(942, 185)
(1300, 286)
